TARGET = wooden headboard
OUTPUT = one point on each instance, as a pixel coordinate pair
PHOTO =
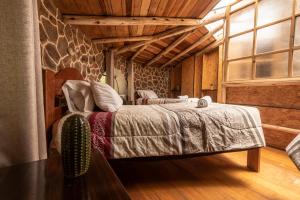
(53, 92)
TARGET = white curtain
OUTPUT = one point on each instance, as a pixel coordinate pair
(22, 129)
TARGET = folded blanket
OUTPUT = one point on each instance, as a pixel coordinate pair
(183, 97)
(204, 102)
(293, 150)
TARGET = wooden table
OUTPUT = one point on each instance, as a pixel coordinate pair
(44, 180)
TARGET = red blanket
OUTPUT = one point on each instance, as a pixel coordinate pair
(101, 124)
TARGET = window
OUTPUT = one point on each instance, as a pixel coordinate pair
(273, 37)
(297, 32)
(270, 10)
(240, 69)
(240, 46)
(242, 20)
(296, 63)
(272, 66)
(259, 43)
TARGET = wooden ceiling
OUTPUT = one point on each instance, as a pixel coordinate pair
(136, 8)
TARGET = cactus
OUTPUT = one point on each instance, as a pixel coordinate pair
(75, 146)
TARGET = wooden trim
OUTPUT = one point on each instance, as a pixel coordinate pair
(291, 44)
(123, 39)
(280, 128)
(240, 58)
(243, 7)
(220, 77)
(241, 33)
(168, 48)
(254, 40)
(258, 55)
(261, 82)
(130, 21)
(271, 52)
(273, 23)
(253, 159)
(203, 39)
(296, 48)
(210, 47)
(226, 43)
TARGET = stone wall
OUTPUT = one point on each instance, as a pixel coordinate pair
(152, 78)
(65, 46)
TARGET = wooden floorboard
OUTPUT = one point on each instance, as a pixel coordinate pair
(222, 176)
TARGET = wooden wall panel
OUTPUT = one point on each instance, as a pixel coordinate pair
(280, 116)
(210, 70)
(175, 80)
(278, 139)
(212, 93)
(198, 76)
(278, 105)
(187, 79)
(285, 96)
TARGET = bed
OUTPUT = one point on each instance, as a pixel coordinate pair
(164, 130)
(293, 150)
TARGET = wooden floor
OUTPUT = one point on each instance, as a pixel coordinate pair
(222, 176)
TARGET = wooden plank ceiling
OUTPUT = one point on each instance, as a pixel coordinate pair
(148, 8)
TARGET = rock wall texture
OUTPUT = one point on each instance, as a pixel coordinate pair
(152, 78)
(65, 46)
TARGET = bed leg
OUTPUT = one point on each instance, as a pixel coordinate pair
(253, 159)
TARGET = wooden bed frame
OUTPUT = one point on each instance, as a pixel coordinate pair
(54, 111)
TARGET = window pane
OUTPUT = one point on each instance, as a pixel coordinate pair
(241, 4)
(296, 63)
(272, 66)
(274, 37)
(242, 20)
(297, 32)
(240, 46)
(240, 69)
(270, 10)
(219, 35)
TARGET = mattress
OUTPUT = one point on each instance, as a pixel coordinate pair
(175, 129)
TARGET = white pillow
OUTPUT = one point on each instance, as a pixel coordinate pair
(147, 94)
(78, 95)
(106, 97)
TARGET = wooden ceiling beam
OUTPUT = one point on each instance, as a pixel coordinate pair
(167, 34)
(169, 48)
(130, 21)
(138, 52)
(210, 47)
(196, 44)
(121, 39)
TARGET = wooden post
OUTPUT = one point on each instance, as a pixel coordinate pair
(220, 75)
(253, 159)
(131, 82)
(110, 63)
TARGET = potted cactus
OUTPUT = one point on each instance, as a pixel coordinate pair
(75, 145)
